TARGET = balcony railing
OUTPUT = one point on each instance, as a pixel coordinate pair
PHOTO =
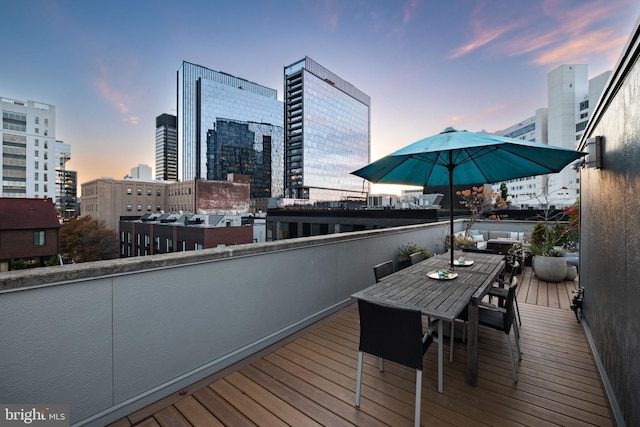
(111, 337)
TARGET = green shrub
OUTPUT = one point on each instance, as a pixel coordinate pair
(411, 248)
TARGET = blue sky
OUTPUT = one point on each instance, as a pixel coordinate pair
(110, 67)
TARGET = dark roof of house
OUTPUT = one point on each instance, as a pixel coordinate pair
(20, 214)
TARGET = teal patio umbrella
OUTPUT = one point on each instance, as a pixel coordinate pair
(466, 158)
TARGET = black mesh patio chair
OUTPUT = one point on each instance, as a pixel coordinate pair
(416, 257)
(394, 334)
(501, 319)
(382, 270)
(501, 291)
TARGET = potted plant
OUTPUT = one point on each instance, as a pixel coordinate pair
(405, 252)
(547, 249)
(515, 254)
(460, 241)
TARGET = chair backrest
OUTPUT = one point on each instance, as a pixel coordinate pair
(416, 257)
(509, 305)
(514, 269)
(382, 270)
(392, 333)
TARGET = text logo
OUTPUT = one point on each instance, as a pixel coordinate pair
(13, 415)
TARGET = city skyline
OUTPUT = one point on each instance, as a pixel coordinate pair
(110, 69)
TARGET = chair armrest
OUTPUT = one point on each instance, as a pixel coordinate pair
(432, 327)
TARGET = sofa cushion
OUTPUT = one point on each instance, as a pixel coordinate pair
(499, 234)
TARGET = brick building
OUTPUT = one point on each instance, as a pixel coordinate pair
(29, 231)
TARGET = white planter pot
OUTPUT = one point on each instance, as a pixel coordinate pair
(549, 268)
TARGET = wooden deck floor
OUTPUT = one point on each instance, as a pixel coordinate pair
(310, 380)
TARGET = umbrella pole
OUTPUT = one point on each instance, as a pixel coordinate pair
(451, 239)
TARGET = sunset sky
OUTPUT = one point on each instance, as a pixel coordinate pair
(110, 67)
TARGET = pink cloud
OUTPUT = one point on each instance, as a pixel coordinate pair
(118, 99)
(408, 10)
(580, 50)
(482, 37)
(553, 33)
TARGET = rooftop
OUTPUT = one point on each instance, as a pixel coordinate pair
(20, 214)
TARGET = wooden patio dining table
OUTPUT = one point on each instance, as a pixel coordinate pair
(442, 299)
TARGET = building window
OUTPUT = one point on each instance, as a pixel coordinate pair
(36, 153)
(46, 144)
(156, 244)
(158, 193)
(129, 191)
(36, 187)
(139, 208)
(158, 208)
(46, 177)
(128, 208)
(148, 191)
(46, 122)
(148, 208)
(37, 120)
(36, 130)
(36, 164)
(39, 238)
(169, 245)
(584, 105)
(139, 191)
(36, 176)
(37, 142)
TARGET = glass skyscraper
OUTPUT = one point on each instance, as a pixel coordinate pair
(327, 134)
(247, 148)
(209, 99)
(166, 147)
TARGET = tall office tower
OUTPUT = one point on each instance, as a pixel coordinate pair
(208, 99)
(571, 95)
(66, 183)
(327, 134)
(28, 149)
(167, 147)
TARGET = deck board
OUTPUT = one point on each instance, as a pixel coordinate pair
(311, 379)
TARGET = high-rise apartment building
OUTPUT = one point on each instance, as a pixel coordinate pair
(66, 183)
(224, 124)
(571, 97)
(327, 134)
(28, 165)
(167, 147)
